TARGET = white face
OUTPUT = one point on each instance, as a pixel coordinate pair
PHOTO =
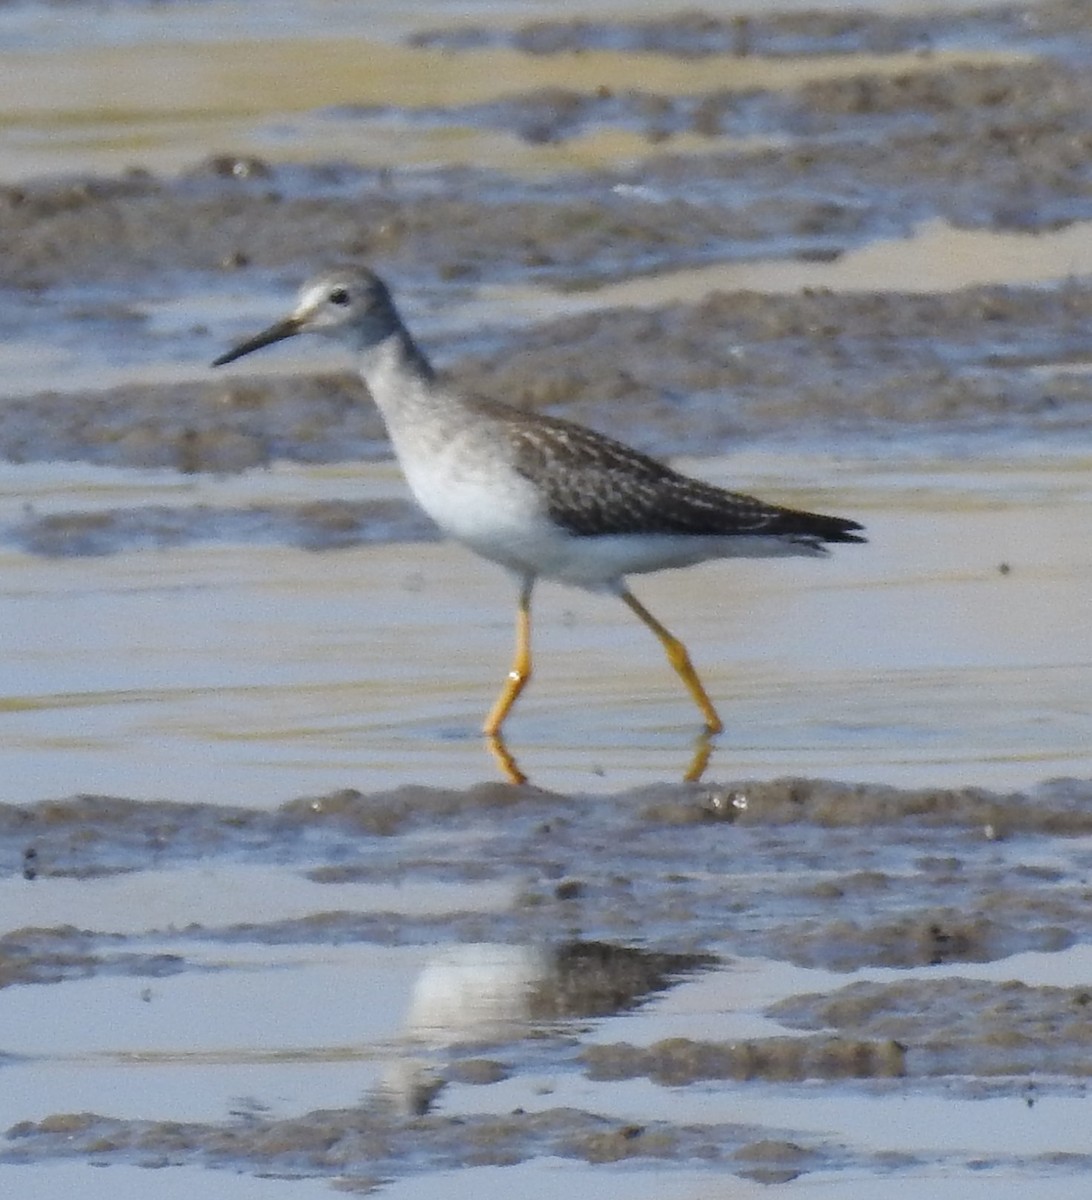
(350, 304)
(327, 303)
(347, 303)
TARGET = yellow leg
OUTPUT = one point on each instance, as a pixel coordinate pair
(521, 665)
(679, 659)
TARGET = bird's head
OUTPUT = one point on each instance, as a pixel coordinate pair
(351, 304)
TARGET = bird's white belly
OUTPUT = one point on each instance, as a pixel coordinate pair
(499, 514)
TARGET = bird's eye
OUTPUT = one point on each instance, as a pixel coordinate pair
(339, 296)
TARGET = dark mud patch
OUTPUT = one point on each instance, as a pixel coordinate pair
(676, 379)
(54, 955)
(358, 1143)
(680, 1061)
(961, 1026)
(943, 876)
(319, 525)
(697, 34)
(935, 936)
(919, 1028)
(227, 425)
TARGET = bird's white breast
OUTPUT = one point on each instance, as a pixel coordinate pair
(481, 501)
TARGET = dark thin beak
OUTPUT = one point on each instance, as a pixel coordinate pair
(275, 333)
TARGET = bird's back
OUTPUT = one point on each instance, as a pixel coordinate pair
(594, 486)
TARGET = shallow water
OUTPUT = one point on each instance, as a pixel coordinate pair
(935, 258)
(258, 673)
(161, 88)
(247, 1032)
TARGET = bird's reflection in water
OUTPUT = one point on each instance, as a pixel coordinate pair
(478, 996)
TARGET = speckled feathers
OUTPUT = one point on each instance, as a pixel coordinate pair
(595, 486)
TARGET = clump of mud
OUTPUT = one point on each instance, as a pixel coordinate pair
(39, 956)
(360, 1145)
(676, 379)
(680, 1061)
(777, 869)
(315, 525)
(697, 34)
(961, 1026)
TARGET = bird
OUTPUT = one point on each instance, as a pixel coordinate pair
(542, 496)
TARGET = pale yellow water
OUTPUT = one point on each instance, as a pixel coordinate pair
(251, 673)
(164, 94)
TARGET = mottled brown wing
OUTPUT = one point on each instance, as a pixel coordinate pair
(595, 486)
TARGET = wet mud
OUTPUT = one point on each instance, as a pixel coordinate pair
(780, 34)
(946, 876)
(320, 525)
(912, 944)
(687, 379)
(340, 1144)
(1003, 147)
(695, 874)
(962, 1026)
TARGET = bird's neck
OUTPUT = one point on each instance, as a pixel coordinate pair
(397, 373)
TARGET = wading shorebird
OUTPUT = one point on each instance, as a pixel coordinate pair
(539, 495)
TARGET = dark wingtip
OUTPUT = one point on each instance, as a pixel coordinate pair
(820, 528)
(842, 529)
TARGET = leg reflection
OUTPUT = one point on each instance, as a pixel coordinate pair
(502, 756)
(699, 760)
(509, 768)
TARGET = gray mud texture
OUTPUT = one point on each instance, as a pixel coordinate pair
(1003, 147)
(695, 379)
(821, 874)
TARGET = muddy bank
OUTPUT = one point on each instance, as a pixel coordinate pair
(224, 425)
(322, 525)
(1002, 146)
(682, 1061)
(782, 869)
(695, 34)
(362, 1147)
(955, 1026)
(668, 886)
(678, 379)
